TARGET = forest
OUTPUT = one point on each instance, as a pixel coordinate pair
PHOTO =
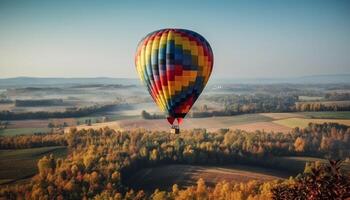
(100, 161)
(40, 102)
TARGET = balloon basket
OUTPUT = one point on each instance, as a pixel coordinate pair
(175, 129)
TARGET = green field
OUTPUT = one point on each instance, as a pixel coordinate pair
(23, 131)
(113, 117)
(22, 163)
(302, 122)
(242, 119)
(310, 98)
(121, 117)
(328, 115)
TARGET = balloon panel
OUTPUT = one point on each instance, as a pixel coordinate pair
(175, 65)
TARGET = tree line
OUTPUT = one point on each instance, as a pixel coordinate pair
(38, 102)
(263, 103)
(319, 106)
(32, 141)
(147, 115)
(79, 112)
(337, 96)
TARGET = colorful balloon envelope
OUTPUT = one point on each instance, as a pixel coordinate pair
(175, 65)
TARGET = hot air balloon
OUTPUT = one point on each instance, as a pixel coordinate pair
(174, 65)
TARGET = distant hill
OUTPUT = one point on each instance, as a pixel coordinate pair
(336, 78)
(32, 81)
(314, 79)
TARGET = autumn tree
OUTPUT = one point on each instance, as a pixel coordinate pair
(299, 144)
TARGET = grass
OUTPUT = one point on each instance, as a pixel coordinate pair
(164, 177)
(298, 163)
(276, 116)
(114, 117)
(22, 163)
(93, 119)
(242, 119)
(210, 123)
(262, 126)
(302, 123)
(328, 115)
(121, 117)
(22, 131)
(310, 98)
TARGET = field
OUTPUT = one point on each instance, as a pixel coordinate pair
(276, 116)
(129, 119)
(22, 131)
(24, 127)
(6, 106)
(164, 177)
(310, 98)
(22, 163)
(263, 126)
(276, 122)
(327, 115)
(303, 122)
(211, 123)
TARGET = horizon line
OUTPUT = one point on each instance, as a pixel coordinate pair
(109, 77)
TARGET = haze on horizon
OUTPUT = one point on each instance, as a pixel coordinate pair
(249, 38)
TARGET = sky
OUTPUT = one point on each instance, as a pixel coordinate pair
(250, 39)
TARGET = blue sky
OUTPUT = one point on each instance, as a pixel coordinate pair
(249, 38)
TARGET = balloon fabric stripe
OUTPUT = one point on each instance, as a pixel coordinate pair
(175, 65)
